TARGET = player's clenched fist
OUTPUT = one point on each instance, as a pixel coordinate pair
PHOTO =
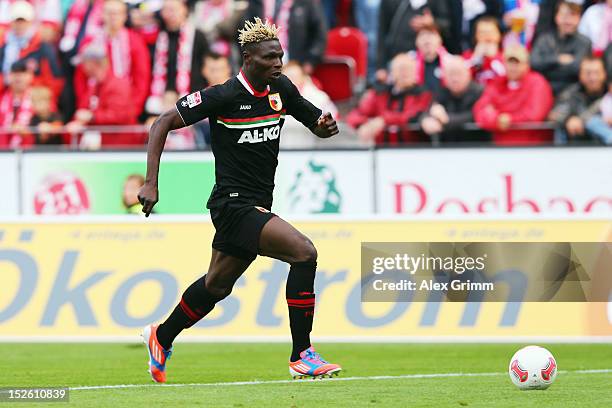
(326, 126)
(148, 197)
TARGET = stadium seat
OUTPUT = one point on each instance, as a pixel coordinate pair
(350, 42)
(337, 77)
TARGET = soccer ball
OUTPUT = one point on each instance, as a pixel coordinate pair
(532, 368)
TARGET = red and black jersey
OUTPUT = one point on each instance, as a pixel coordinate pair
(245, 132)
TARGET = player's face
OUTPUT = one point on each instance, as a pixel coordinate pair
(266, 60)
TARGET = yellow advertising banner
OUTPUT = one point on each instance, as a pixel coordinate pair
(106, 280)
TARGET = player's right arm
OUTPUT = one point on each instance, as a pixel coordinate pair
(167, 121)
(190, 109)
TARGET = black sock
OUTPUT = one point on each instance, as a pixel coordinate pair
(196, 303)
(301, 301)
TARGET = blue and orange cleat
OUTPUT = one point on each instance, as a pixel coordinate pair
(157, 355)
(312, 365)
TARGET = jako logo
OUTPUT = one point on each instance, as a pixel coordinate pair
(257, 137)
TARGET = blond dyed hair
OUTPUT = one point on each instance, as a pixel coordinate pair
(258, 31)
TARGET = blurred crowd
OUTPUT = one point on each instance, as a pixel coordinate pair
(449, 71)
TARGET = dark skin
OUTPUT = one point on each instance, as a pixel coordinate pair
(278, 239)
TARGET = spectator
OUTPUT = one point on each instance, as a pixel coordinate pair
(596, 24)
(430, 54)
(398, 23)
(216, 71)
(132, 185)
(486, 58)
(45, 119)
(548, 8)
(520, 17)
(382, 115)
(107, 101)
(218, 20)
(522, 96)
(178, 139)
(330, 11)
(22, 43)
(298, 137)
(600, 125)
(557, 54)
(465, 14)
(578, 103)
(366, 17)
(84, 20)
(16, 108)
(607, 58)
(178, 56)
(48, 17)
(144, 19)
(128, 54)
(452, 107)
(303, 33)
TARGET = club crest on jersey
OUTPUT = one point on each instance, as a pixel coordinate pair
(275, 101)
(194, 99)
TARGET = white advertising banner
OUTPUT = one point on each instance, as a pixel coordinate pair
(9, 192)
(324, 182)
(537, 181)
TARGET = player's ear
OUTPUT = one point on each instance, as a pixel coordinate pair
(246, 56)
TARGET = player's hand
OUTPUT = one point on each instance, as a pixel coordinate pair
(327, 126)
(148, 197)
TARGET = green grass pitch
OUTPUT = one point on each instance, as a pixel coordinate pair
(76, 365)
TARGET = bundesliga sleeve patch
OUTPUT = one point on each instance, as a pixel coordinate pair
(194, 99)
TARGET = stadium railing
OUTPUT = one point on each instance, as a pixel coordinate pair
(350, 139)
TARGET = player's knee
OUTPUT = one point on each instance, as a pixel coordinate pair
(306, 251)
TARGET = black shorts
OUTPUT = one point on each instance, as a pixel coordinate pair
(238, 226)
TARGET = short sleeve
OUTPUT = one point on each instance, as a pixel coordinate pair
(299, 107)
(201, 104)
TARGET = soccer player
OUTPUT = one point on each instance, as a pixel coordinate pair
(246, 115)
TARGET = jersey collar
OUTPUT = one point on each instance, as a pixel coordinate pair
(245, 82)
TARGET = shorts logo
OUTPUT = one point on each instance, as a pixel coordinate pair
(275, 101)
(263, 210)
(194, 99)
